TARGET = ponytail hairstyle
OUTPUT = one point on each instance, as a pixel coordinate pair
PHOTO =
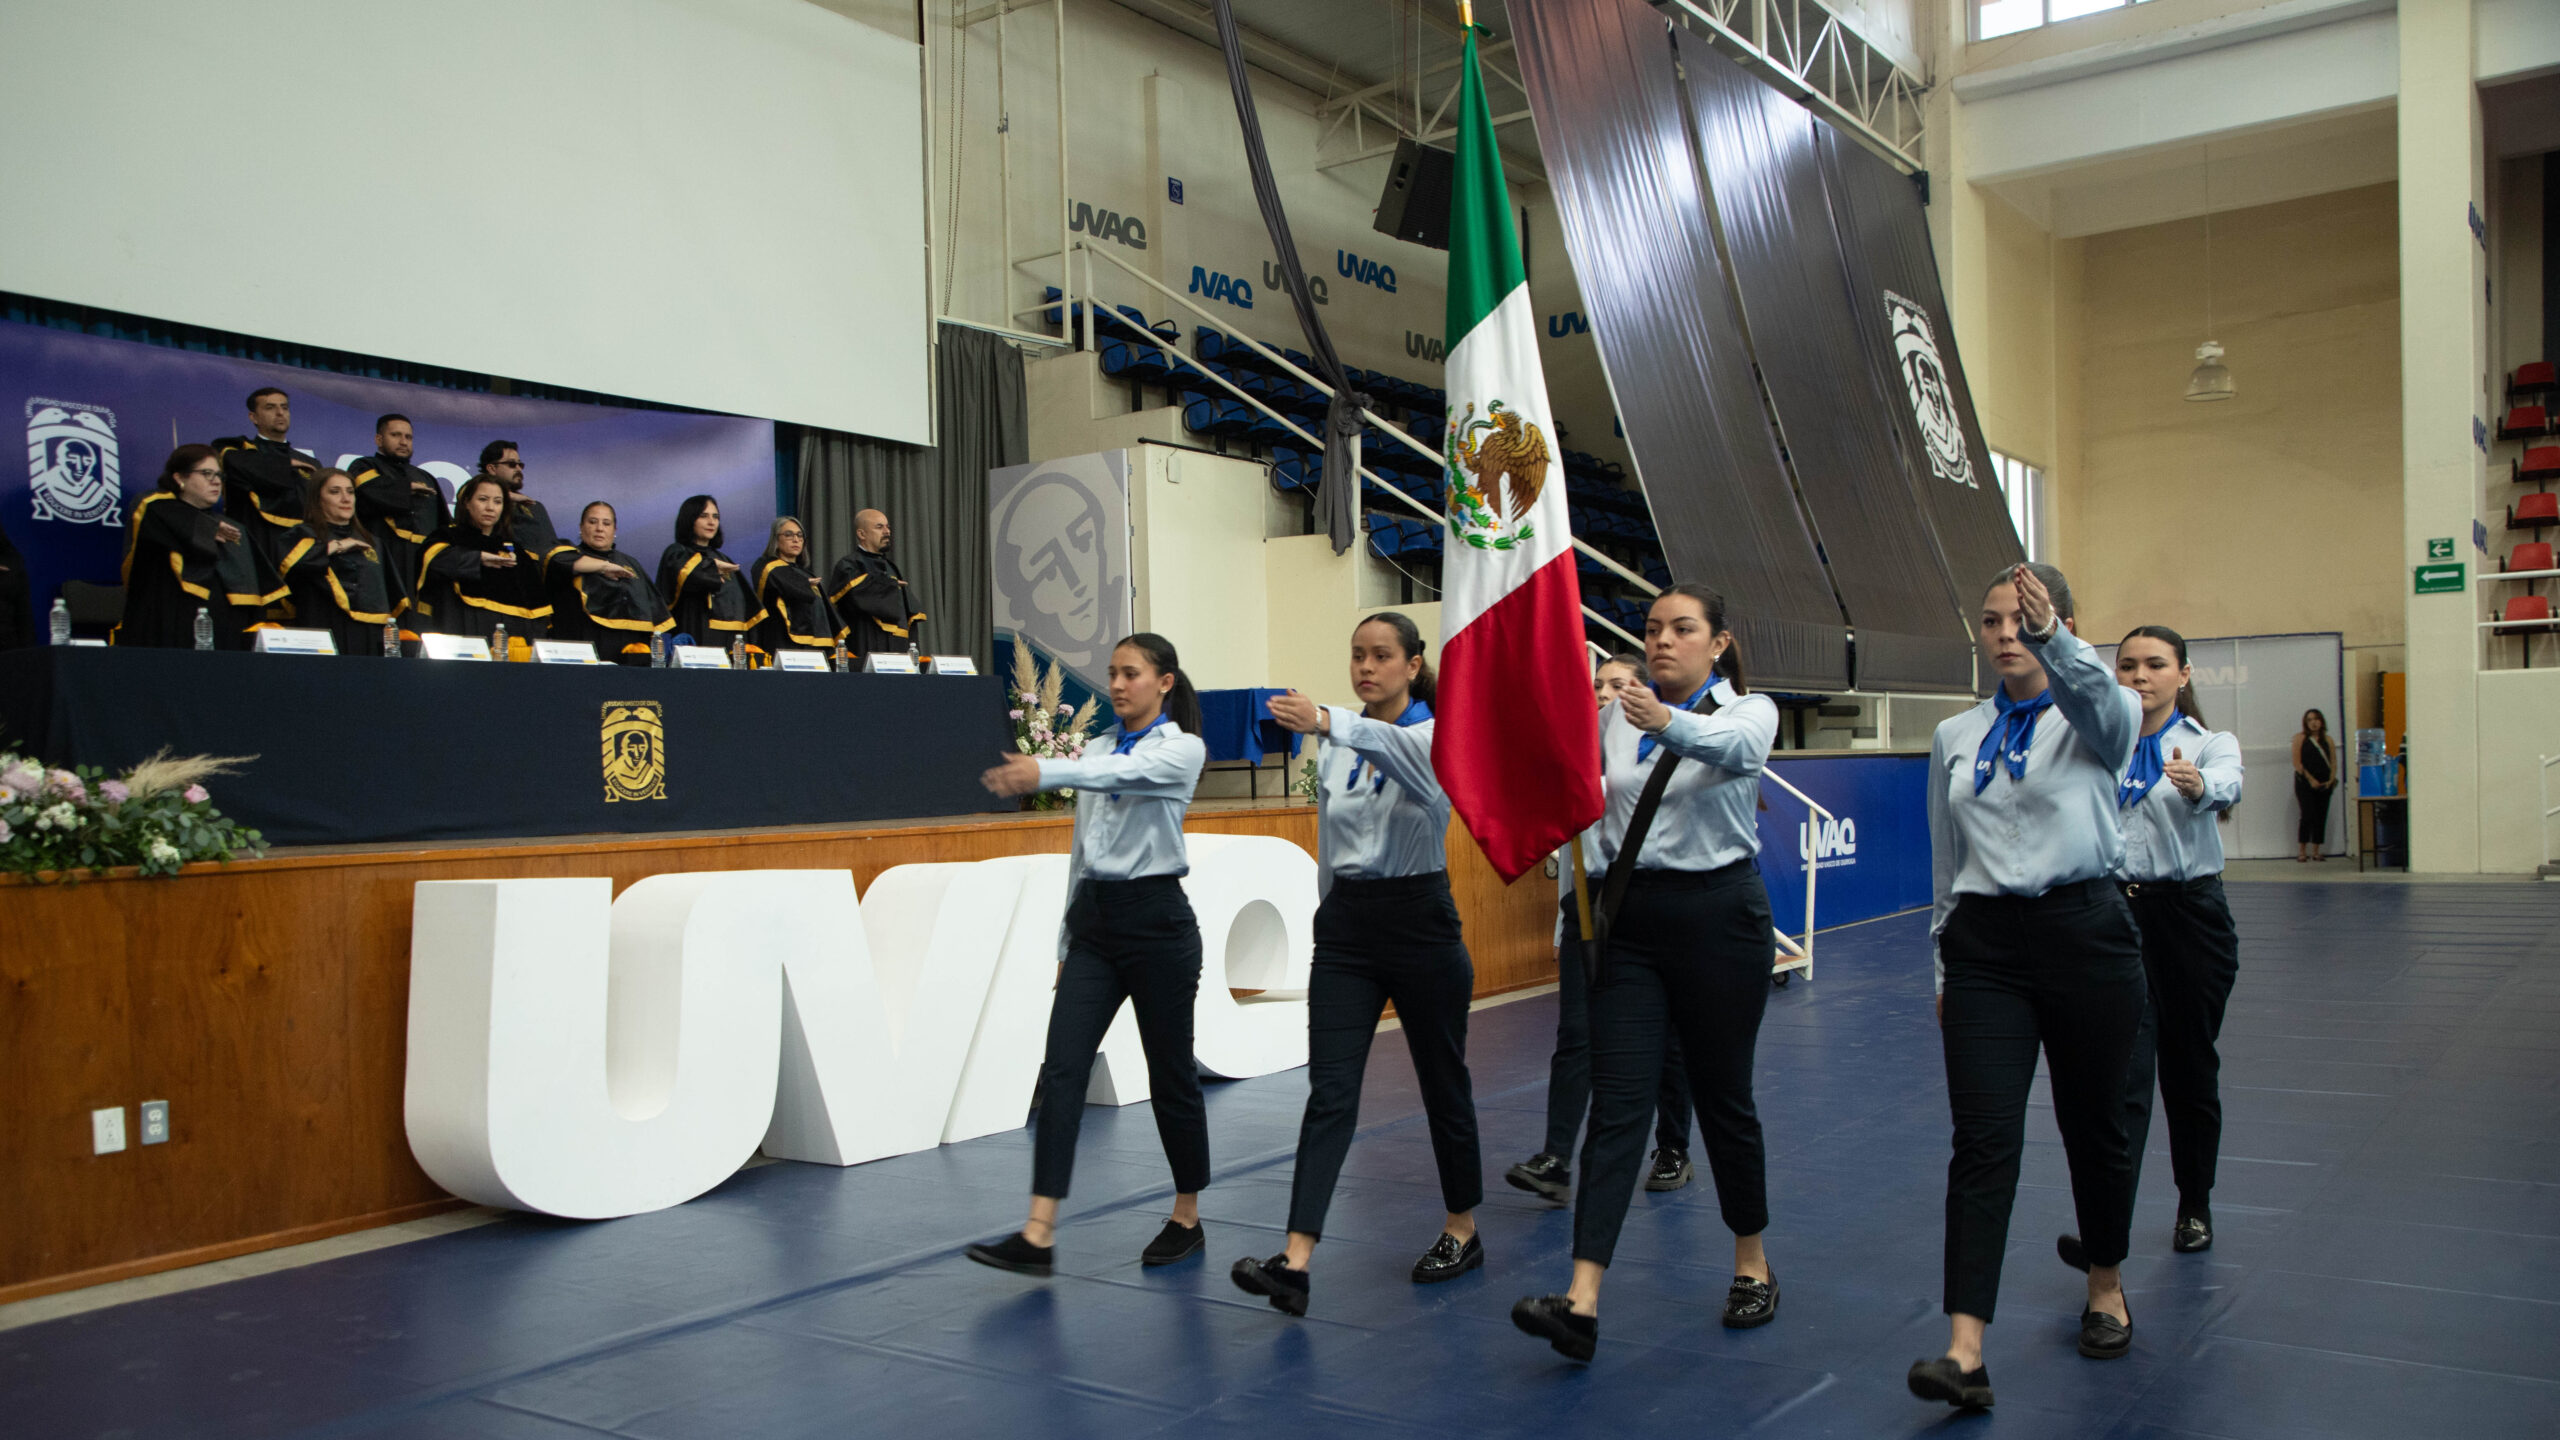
(2187, 705)
(1182, 702)
(1425, 685)
(1728, 665)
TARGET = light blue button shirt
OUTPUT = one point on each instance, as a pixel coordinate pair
(1395, 819)
(1710, 814)
(2056, 824)
(2170, 837)
(1129, 808)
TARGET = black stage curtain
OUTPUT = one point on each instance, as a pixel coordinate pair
(935, 496)
(1605, 94)
(1765, 173)
(1885, 235)
(356, 751)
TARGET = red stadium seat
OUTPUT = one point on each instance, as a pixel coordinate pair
(2533, 555)
(2540, 465)
(2538, 378)
(2532, 512)
(2527, 610)
(2524, 422)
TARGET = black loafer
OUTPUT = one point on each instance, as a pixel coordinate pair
(1274, 1281)
(1175, 1242)
(1448, 1258)
(1543, 1175)
(1943, 1379)
(1551, 1318)
(2073, 1253)
(1750, 1303)
(2103, 1336)
(2194, 1233)
(1670, 1171)
(1017, 1255)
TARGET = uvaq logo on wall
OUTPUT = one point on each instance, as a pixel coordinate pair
(73, 472)
(588, 1056)
(1933, 400)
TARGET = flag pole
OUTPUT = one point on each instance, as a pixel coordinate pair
(1581, 889)
(1467, 14)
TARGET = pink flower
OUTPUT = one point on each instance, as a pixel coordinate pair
(25, 779)
(67, 785)
(195, 795)
(1015, 714)
(1066, 709)
(115, 791)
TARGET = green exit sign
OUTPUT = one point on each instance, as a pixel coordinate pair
(2441, 549)
(2439, 579)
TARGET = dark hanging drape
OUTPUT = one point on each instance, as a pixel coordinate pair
(935, 496)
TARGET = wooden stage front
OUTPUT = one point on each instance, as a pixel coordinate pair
(267, 1002)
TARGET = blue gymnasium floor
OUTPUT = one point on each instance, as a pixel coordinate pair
(2387, 1260)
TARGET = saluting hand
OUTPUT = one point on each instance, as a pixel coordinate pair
(1296, 712)
(727, 568)
(1644, 709)
(226, 533)
(1016, 774)
(616, 572)
(2035, 603)
(498, 559)
(2182, 773)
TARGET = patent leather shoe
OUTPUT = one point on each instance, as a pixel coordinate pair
(1448, 1258)
(1750, 1303)
(1944, 1379)
(1274, 1281)
(1545, 1176)
(2193, 1234)
(2103, 1336)
(1551, 1318)
(1670, 1171)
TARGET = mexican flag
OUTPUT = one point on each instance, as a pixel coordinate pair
(1517, 744)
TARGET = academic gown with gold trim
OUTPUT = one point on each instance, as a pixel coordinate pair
(615, 616)
(457, 595)
(350, 594)
(174, 566)
(712, 610)
(796, 615)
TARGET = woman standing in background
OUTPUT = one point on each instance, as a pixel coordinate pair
(2315, 781)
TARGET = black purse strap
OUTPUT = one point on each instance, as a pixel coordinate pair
(1613, 893)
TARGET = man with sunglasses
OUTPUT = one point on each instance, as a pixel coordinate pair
(536, 537)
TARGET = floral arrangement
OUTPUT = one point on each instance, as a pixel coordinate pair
(157, 817)
(1307, 783)
(1043, 725)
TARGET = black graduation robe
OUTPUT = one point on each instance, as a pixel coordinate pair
(711, 610)
(537, 539)
(262, 493)
(457, 595)
(17, 617)
(174, 566)
(615, 616)
(350, 594)
(873, 602)
(796, 614)
(400, 515)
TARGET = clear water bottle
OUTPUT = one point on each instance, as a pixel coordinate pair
(738, 653)
(391, 639)
(204, 628)
(913, 658)
(498, 643)
(657, 651)
(61, 622)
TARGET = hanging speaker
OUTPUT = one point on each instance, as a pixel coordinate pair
(1415, 205)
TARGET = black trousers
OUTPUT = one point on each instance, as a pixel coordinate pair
(1569, 1073)
(2061, 971)
(2190, 957)
(1133, 940)
(1690, 955)
(1376, 941)
(2314, 800)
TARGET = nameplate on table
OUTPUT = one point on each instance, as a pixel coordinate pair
(886, 662)
(701, 657)
(954, 665)
(86, 643)
(297, 642)
(453, 647)
(564, 652)
(807, 661)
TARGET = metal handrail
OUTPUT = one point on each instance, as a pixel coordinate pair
(2548, 809)
(1817, 814)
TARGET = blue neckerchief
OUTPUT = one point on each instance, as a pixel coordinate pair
(1129, 742)
(1645, 746)
(2146, 769)
(1415, 712)
(2009, 737)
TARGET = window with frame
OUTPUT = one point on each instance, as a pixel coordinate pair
(1995, 18)
(2022, 485)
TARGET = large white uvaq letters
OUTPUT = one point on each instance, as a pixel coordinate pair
(587, 1056)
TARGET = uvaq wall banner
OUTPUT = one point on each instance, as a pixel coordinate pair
(99, 416)
(1871, 856)
(1059, 533)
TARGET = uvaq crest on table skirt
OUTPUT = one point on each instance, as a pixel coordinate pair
(635, 750)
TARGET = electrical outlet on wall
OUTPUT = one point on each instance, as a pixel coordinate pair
(155, 1122)
(106, 1130)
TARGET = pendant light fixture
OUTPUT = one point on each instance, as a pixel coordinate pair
(2211, 379)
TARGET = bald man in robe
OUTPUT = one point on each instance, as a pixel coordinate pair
(871, 598)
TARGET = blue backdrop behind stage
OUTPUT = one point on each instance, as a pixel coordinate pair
(1874, 852)
(101, 415)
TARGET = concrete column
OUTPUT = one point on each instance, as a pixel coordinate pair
(2443, 337)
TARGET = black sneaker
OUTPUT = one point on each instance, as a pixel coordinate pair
(1274, 1281)
(1543, 1175)
(2103, 1336)
(1943, 1379)
(1175, 1242)
(2194, 1233)
(1448, 1258)
(1551, 1318)
(1750, 1304)
(1017, 1255)
(1670, 1170)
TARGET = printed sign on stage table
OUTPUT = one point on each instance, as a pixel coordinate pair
(453, 647)
(564, 652)
(296, 642)
(807, 662)
(701, 657)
